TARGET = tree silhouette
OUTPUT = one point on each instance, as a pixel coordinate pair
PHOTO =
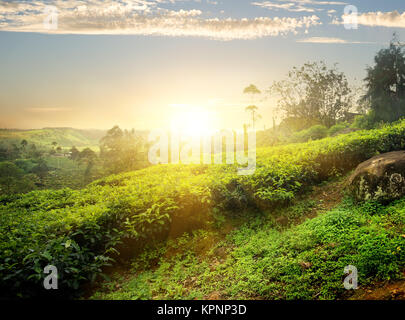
(88, 157)
(252, 90)
(255, 116)
(385, 83)
(24, 144)
(122, 150)
(74, 154)
(314, 94)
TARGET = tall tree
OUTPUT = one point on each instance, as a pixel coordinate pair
(313, 94)
(122, 150)
(13, 180)
(24, 144)
(252, 90)
(255, 116)
(385, 83)
(74, 154)
(88, 157)
(41, 169)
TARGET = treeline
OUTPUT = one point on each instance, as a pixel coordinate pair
(120, 151)
(24, 166)
(316, 101)
(81, 231)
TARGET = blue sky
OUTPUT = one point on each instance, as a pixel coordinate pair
(136, 63)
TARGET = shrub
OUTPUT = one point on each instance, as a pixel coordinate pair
(82, 230)
(314, 133)
(307, 261)
(337, 127)
(367, 121)
(258, 260)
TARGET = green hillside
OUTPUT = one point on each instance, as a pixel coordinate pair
(81, 231)
(65, 137)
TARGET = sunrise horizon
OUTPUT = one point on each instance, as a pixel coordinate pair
(202, 158)
(73, 74)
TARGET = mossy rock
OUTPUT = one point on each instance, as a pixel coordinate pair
(381, 178)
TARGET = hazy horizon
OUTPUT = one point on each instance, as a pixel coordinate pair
(144, 64)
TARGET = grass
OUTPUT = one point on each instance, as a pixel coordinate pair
(127, 211)
(264, 260)
(66, 173)
(65, 137)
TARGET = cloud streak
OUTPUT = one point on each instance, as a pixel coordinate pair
(383, 19)
(392, 19)
(138, 17)
(331, 40)
(46, 110)
(297, 5)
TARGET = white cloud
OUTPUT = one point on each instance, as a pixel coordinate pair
(285, 6)
(297, 5)
(316, 2)
(330, 40)
(139, 17)
(381, 19)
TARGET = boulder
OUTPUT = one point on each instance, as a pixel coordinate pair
(380, 178)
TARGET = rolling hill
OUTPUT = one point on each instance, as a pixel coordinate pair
(65, 137)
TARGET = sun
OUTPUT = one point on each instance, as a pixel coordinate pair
(193, 123)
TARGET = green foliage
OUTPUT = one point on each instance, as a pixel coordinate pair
(314, 92)
(65, 172)
(64, 137)
(138, 207)
(314, 133)
(129, 210)
(36, 231)
(337, 127)
(251, 89)
(14, 180)
(44, 166)
(306, 261)
(41, 169)
(367, 121)
(123, 150)
(385, 83)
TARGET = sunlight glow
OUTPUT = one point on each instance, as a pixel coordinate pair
(193, 123)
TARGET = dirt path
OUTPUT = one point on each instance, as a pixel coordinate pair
(329, 196)
(381, 291)
(325, 197)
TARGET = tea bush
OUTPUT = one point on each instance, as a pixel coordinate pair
(81, 231)
(313, 133)
(262, 260)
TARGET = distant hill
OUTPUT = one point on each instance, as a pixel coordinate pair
(65, 137)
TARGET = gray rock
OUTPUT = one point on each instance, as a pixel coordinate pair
(380, 178)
